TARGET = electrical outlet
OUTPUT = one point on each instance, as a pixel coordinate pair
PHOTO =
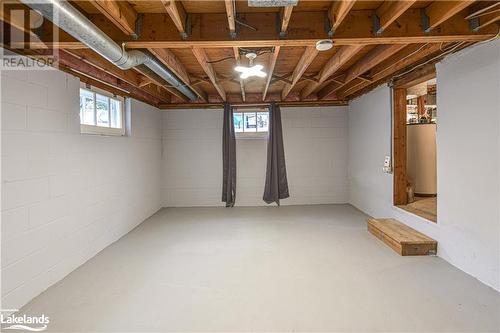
(387, 165)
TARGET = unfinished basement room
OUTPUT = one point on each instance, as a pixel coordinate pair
(250, 166)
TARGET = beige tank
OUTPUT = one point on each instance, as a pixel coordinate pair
(421, 158)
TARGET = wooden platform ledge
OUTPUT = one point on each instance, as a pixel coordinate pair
(401, 238)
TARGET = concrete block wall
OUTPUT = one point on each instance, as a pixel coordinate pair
(315, 141)
(65, 195)
(468, 148)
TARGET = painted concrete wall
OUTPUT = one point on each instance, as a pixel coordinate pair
(315, 141)
(66, 196)
(468, 225)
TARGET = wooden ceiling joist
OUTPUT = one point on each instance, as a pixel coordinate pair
(403, 59)
(440, 11)
(270, 70)
(177, 13)
(120, 13)
(373, 58)
(237, 57)
(96, 60)
(231, 15)
(390, 11)
(343, 54)
(308, 28)
(390, 35)
(202, 58)
(417, 76)
(286, 14)
(171, 62)
(307, 57)
(487, 19)
(338, 12)
(85, 68)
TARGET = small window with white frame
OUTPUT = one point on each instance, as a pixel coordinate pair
(251, 123)
(101, 112)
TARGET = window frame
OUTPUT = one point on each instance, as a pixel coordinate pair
(251, 135)
(101, 130)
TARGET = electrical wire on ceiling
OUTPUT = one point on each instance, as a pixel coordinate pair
(243, 51)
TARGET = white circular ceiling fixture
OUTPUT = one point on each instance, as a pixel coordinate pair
(324, 44)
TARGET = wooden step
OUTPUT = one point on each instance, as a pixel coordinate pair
(401, 238)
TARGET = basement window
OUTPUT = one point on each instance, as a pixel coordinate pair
(101, 112)
(251, 123)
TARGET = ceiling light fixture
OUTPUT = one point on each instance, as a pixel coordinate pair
(251, 70)
(324, 44)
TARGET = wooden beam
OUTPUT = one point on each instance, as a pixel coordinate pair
(169, 59)
(272, 63)
(373, 58)
(399, 156)
(410, 55)
(231, 14)
(98, 61)
(304, 30)
(440, 11)
(307, 57)
(237, 57)
(286, 14)
(84, 68)
(177, 13)
(343, 54)
(487, 19)
(338, 12)
(390, 11)
(120, 13)
(130, 76)
(417, 76)
(202, 58)
(218, 105)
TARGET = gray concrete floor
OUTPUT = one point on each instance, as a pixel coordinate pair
(296, 268)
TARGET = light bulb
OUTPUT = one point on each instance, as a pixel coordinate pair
(246, 72)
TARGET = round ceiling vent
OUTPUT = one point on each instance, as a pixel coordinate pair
(324, 44)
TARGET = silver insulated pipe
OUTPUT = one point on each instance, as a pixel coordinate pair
(69, 19)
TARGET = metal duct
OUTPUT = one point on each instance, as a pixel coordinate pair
(69, 19)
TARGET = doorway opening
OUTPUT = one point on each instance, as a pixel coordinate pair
(415, 159)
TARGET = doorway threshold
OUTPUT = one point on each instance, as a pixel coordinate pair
(424, 207)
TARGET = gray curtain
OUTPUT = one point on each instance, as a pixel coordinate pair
(276, 182)
(228, 158)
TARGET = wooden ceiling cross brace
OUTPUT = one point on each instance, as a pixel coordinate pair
(120, 13)
(440, 11)
(343, 54)
(286, 14)
(373, 58)
(237, 57)
(231, 17)
(338, 12)
(178, 15)
(389, 12)
(307, 57)
(202, 58)
(270, 70)
(169, 59)
(401, 60)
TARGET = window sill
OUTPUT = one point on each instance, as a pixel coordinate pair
(252, 136)
(103, 131)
